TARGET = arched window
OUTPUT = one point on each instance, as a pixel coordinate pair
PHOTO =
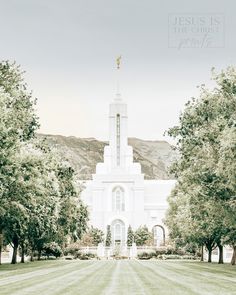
(118, 199)
(118, 232)
(159, 235)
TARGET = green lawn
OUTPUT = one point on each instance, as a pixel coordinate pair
(117, 277)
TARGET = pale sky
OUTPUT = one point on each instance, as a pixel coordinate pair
(68, 49)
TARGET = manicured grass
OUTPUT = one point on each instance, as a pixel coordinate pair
(117, 277)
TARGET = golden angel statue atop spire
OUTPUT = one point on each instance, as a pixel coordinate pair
(118, 62)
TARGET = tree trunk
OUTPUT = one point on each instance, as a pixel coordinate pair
(209, 254)
(15, 248)
(202, 253)
(22, 253)
(209, 246)
(1, 242)
(221, 258)
(32, 255)
(233, 260)
(39, 254)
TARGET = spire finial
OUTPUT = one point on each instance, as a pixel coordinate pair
(118, 95)
(118, 62)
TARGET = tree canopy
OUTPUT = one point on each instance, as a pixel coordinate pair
(39, 194)
(202, 205)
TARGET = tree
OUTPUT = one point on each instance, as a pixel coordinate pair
(227, 169)
(40, 198)
(108, 236)
(92, 237)
(59, 215)
(130, 236)
(17, 125)
(72, 214)
(98, 236)
(205, 146)
(82, 218)
(32, 195)
(142, 236)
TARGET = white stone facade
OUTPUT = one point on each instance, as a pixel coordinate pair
(118, 195)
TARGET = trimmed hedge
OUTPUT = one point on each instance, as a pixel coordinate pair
(85, 256)
(162, 255)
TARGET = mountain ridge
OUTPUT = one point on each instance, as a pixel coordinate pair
(155, 156)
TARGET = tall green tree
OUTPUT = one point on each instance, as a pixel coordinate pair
(72, 213)
(227, 169)
(130, 236)
(39, 196)
(108, 236)
(17, 124)
(202, 180)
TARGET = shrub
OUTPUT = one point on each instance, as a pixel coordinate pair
(171, 256)
(161, 251)
(191, 248)
(170, 250)
(142, 236)
(190, 257)
(179, 251)
(72, 249)
(120, 257)
(85, 256)
(52, 249)
(146, 255)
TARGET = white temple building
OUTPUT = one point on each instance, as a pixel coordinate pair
(118, 195)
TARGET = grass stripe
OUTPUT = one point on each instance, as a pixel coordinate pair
(130, 277)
